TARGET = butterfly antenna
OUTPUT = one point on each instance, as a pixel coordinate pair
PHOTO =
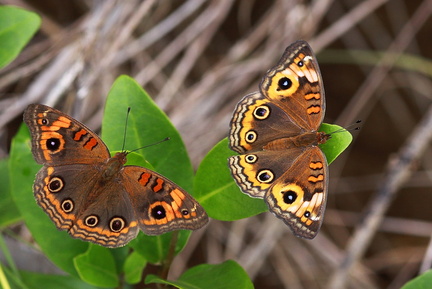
(125, 129)
(152, 144)
(350, 127)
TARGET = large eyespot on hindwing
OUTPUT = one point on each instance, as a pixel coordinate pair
(289, 196)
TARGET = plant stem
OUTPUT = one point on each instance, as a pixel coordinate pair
(170, 257)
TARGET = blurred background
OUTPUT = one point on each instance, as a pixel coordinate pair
(198, 58)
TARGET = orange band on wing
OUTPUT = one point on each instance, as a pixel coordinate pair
(144, 179)
(310, 96)
(314, 109)
(159, 185)
(90, 144)
(316, 165)
(317, 179)
(80, 134)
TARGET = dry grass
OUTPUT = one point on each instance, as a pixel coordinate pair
(198, 58)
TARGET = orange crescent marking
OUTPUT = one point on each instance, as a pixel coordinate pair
(62, 122)
(314, 179)
(159, 185)
(144, 179)
(170, 213)
(178, 198)
(313, 110)
(310, 96)
(92, 142)
(80, 134)
(316, 165)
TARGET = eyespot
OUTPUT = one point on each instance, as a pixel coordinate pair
(261, 112)
(158, 212)
(300, 63)
(265, 176)
(307, 214)
(185, 212)
(250, 159)
(67, 205)
(44, 121)
(289, 197)
(56, 184)
(91, 220)
(117, 224)
(251, 136)
(284, 83)
(52, 144)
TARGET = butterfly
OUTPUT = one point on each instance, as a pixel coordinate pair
(275, 131)
(94, 196)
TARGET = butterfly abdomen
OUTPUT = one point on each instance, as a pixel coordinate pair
(303, 140)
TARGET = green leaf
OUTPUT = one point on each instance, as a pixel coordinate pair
(97, 267)
(226, 275)
(17, 26)
(134, 267)
(337, 143)
(155, 248)
(50, 281)
(57, 245)
(147, 125)
(217, 192)
(424, 281)
(9, 211)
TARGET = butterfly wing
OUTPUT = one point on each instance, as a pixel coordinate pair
(256, 121)
(59, 139)
(76, 200)
(292, 182)
(299, 196)
(160, 205)
(255, 172)
(295, 85)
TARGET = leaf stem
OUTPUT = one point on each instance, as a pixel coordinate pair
(169, 259)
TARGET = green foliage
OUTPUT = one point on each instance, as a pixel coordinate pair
(9, 212)
(17, 26)
(133, 267)
(147, 125)
(220, 276)
(218, 193)
(424, 281)
(338, 142)
(97, 267)
(32, 280)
